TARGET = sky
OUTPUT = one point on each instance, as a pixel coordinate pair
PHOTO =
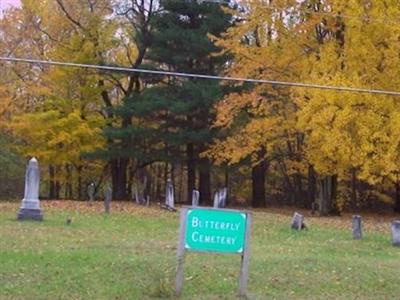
(6, 3)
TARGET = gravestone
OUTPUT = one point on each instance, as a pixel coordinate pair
(30, 206)
(169, 194)
(91, 190)
(195, 198)
(220, 198)
(357, 227)
(216, 199)
(135, 193)
(396, 233)
(107, 199)
(297, 221)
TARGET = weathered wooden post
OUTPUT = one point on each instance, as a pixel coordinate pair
(244, 266)
(180, 253)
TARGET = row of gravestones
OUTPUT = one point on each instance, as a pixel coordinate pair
(30, 206)
(219, 197)
(298, 224)
(107, 196)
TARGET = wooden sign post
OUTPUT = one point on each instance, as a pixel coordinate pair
(204, 229)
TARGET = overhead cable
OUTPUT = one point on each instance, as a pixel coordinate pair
(202, 76)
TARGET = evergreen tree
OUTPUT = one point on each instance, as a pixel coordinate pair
(171, 120)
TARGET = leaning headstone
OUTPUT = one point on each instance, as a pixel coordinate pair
(169, 194)
(297, 221)
(91, 190)
(107, 199)
(357, 227)
(195, 198)
(30, 207)
(396, 233)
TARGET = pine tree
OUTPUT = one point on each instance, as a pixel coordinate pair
(171, 120)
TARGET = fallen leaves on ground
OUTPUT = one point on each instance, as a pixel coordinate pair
(372, 222)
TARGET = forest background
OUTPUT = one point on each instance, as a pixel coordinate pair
(270, 145)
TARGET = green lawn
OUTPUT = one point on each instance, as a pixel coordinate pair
(131, 255)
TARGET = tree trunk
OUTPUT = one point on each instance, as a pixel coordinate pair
(52, 185)
(299, 195)
(353, 189)
(311, 190)
(164, 183)
(205, 182)
(180, 188)
(149, 185)
(79, 170)
(119, 179)
(57, 184)
(327, 196)
(258, 184)
(258, 179)
(227, 186)
(68, 185)
(397, 203)
(158, 185)
(191, 172)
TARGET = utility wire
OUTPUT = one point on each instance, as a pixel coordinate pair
(211, 77)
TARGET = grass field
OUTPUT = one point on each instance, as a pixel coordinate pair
(131, 254)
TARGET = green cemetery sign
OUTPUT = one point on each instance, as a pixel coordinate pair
(207, 229)
(215, 230)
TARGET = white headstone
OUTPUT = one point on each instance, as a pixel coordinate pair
(169, 194)
(216, 199)
(30, 206)
(135, 193)
(220, 198)
(195, 198)
(91, 191)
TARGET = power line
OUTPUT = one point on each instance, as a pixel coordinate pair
(211, 77)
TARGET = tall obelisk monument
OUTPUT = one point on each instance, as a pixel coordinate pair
(30, 207)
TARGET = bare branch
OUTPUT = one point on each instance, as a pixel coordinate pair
(77, 23)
